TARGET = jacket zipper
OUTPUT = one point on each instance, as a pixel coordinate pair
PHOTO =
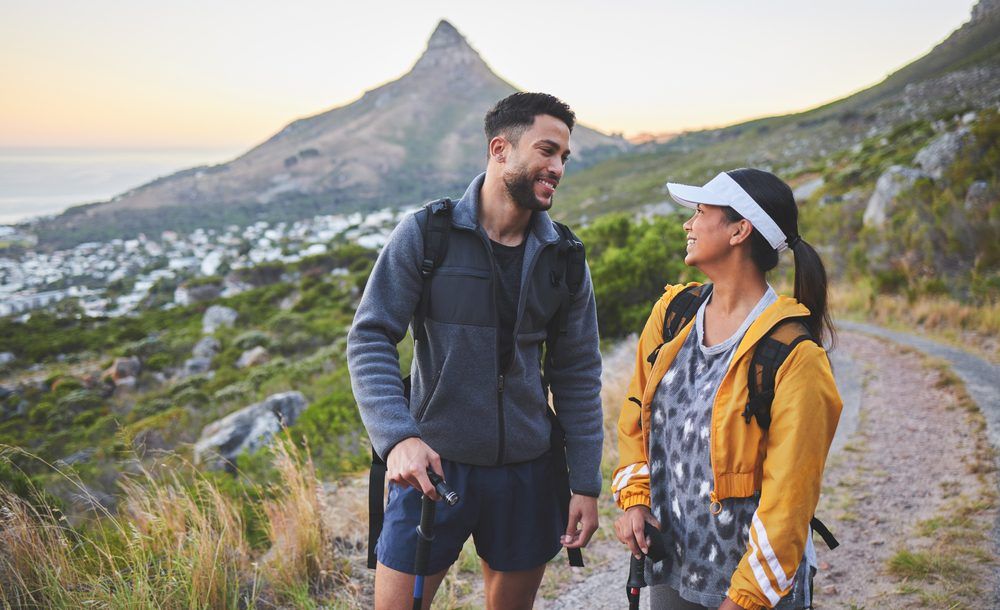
(521, 298)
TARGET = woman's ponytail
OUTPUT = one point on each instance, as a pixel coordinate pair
(811, 291)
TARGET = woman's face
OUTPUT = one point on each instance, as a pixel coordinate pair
(708, 236)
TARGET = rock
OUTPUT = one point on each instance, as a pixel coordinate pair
(941, 152)
(194, 366)
(82, 455)
(890, 185)
(216, 317)
(126, 384)
(806, 189)
(830, 590)
(122, 368)
(208, 347)
(979, 198)
(6, 358)
(248, 429)
(253, 357)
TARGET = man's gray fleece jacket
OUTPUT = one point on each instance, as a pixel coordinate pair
(465, 404)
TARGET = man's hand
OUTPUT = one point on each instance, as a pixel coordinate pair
(630, 529)
(407, 464)
(582, 522)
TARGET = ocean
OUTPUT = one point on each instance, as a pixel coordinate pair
(45, 181)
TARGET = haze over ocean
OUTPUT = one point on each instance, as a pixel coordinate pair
(42, 181)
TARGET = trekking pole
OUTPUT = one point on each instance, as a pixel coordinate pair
(425, 533)
(637, 566)
(636, 581)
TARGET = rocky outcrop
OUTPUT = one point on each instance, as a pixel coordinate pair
(941, 152)
(197, 365)
(216, 317)
(248, 429)
(893, 182)
(121, 369)
(253, 357)
(208, 347)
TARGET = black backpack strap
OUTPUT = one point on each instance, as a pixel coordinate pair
(824, 532)
(768, 356)
(571, 257)
(437, 227)
(561, 473)
(376, 494)
(681, 310)
(376, 505)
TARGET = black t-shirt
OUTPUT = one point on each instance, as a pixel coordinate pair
(507, 261)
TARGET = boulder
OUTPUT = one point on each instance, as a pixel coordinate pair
(194, 366)
(126, 384)
(6, 358)
(122, 368)
(941, 152)
(248, 429)
(208, 347)
(253, 357)
(216, 317)
(979, 198)
(890, 185)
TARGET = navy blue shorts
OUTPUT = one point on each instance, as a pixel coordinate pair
(512, 513)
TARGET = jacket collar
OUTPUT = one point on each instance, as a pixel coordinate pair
(466, 214)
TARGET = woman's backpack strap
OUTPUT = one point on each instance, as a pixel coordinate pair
(680, 311)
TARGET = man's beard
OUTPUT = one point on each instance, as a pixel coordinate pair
(521, 188)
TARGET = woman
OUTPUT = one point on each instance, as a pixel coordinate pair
(733, 500)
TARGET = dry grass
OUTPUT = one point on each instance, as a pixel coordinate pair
(969, 326)
(177, 541)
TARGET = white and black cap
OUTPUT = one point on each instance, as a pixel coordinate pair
(724, 191)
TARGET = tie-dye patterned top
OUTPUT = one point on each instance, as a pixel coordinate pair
(703, 549)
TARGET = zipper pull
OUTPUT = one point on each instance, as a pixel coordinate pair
(714, 507)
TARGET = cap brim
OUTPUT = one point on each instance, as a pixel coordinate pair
(691, 196)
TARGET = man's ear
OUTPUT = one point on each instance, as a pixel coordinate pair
(742, 230)
(499, 147)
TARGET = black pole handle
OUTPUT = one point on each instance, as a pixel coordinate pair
(442, 488)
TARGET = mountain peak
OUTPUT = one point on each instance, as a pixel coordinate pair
(447, 48)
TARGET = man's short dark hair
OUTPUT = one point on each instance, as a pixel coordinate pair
(514, 114)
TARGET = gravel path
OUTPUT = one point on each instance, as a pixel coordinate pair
(885, 475)
(981, 378)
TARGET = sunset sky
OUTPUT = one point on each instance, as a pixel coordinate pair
(229, 74)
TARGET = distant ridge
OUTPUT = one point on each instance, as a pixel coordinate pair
(412, 139)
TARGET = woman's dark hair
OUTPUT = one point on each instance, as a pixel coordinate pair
(776, 199)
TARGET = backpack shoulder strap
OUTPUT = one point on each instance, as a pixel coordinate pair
(680, 311)
(436, 228)
(768, 356)
(570, 266)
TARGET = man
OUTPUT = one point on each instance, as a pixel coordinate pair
(477, 410)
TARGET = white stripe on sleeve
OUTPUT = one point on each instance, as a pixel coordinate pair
(784, 582)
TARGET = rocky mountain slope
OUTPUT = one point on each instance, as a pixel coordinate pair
(414, 138)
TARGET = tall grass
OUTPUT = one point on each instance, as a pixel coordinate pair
(176, 540)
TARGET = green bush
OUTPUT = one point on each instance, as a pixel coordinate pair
(252, 339)
(630, 262)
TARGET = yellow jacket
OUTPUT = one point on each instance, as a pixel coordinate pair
(785, 464)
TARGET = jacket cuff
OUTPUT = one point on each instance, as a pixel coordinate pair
(636, 499)
(744, 601)
(583, 492)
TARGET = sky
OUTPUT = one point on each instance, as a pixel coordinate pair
(225, 75)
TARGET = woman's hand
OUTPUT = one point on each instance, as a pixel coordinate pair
(630, 526)
(728, 604)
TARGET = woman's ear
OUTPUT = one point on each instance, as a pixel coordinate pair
(742, 229)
